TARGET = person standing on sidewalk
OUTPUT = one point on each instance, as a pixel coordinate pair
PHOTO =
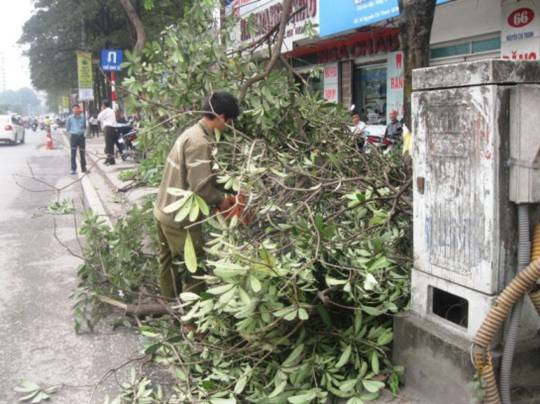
(76, 126)
(189, 167)
(94, 125)
(107, 119)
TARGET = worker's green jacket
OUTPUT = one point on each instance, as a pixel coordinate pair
(189, 167)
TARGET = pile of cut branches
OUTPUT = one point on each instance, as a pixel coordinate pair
(299, 303)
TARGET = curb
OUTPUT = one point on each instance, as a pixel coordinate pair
(91, 197)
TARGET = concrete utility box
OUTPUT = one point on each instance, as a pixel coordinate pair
(465, 232)
(525, 144)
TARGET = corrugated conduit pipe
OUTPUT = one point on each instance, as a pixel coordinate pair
(524, 258)
(522, 283)
(534, 295)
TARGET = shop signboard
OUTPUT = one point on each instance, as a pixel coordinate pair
(394, 84)
(84, 74)
(257, 18)
(352, 14)
(520, 33)
(331, 87)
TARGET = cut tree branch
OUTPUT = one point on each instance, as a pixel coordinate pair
(276, 52)
(137, 310)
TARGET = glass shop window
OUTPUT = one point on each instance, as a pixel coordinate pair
(370, 94)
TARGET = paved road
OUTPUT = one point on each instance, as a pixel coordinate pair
(37, 276)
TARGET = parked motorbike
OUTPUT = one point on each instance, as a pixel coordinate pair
(127, 140)
(34, 127)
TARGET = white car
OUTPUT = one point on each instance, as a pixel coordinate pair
(11, 129)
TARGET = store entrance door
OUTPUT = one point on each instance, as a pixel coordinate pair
(370, 93)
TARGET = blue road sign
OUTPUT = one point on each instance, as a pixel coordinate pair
(111, 59)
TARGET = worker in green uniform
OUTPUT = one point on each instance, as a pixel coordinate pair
(189, 167)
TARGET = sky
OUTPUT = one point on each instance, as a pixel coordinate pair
(12, 18)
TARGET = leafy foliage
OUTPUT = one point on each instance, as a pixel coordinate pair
(53, 35)
(63, 207)
(298, 304)
(23, 101)
(116, 264)
(34, 393)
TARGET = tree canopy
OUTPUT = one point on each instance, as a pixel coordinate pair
(23, 101)
(55, 32)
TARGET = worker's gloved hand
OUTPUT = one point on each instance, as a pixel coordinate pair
(234, 205)
(226, 204)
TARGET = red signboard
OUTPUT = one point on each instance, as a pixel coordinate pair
(521, 17)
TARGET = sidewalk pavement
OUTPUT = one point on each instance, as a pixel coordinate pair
(106, 193)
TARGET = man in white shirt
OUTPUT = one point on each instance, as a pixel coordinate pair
(358, 130)
(107, 119)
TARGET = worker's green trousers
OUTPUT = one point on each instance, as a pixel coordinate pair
(174, 278)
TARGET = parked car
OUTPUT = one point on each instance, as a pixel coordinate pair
(11, 129)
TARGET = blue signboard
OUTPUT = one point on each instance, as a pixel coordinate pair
(111, 59)
(351, 14)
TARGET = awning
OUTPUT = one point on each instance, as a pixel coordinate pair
(374, 34)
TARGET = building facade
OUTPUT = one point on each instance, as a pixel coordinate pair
(356, 43)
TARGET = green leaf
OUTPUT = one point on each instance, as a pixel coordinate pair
(375, 362)
(240, 384)
(280, 387)
(294, 356)
(178, 192)
(226, 272)
(325, 317)
(291, 316)
(381, 262)
(385, 338)
(303, 314)
(219, 290)
(26, 386)
(334, 282)
(285, 311)
(305, 398)
(189, 297)
(370, 282)
(222, 401)
(344, 358)
(29, 396)
(189, 254)
(227, 296)
(348, 385)
(184, 211)
(202, 205)
(255, 284)
(355, 400)
(373, 386)
(153, 348)
(372, 311)
(173, 207)
(244, 296)
(194, 212)
(41, 396)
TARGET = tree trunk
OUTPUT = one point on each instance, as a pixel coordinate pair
(137, 24)
(415, 21)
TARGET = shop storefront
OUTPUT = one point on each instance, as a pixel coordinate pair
(356, 45)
